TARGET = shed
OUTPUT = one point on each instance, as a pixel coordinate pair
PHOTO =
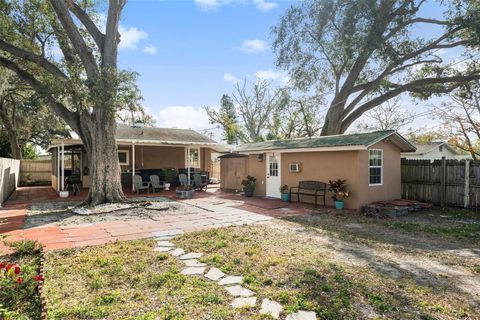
(370, 162)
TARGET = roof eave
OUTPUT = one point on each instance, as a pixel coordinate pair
(402, 143)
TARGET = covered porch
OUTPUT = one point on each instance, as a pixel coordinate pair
(143, 151)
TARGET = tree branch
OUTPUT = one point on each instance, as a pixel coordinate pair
(70, 117)
(112, 38)
(409, 87)
(96, 34)
(76, 39)
(29, 56)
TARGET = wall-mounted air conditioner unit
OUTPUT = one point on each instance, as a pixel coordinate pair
(294, 167)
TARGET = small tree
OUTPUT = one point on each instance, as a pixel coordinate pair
(388, 116)
(226, 118)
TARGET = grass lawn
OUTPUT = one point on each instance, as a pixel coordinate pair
(127, 280)
(303, 268)
(280, 265)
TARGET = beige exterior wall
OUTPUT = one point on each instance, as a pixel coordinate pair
(257, 169)
(392, 179)
(155, 157)
(352, 166)
(324, 166)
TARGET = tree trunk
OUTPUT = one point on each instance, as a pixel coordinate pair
(15, 150)
(98, 131)
(104, 168)
(333, 121)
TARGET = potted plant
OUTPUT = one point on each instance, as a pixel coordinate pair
(340, 192)
(249, 186)
(184, 192)
(169, 177)
(285, 193)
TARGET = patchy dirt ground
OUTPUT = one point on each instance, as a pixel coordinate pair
(389, 271)
(435, 248)
(60, 213)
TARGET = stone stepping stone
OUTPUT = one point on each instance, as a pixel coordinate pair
(302, 315)
(214, 274)
(163, 249)
(193, 270)
(230, 280)
(191, 255)
(194, 263)
(164, 238)
(239, 291)
(177, 252)
(167, 233)
(271, 307)
(165, 244)
(244, 302)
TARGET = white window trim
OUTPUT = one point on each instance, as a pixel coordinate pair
(381, 169)
(127, 152)
(199, 157)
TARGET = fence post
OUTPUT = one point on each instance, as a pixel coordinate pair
(466, 194)
(443, 183)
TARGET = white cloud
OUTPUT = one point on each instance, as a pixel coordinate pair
(273, 75)
(209, 4)
(130, 37)
(253, 46)
(228, 77)
(183, 117)
(150, 49)
(264, 5)
(261, 5)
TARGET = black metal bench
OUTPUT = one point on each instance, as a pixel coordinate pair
(309, 188)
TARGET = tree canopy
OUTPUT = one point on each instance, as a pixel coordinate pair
(362, 53)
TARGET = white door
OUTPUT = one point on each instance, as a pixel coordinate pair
(273, 175)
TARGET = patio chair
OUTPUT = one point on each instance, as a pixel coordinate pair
(155, 183)
(183, 179)
(199, 183)
(138, 184)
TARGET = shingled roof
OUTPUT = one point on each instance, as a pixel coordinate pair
(345, 141)
(164, 135)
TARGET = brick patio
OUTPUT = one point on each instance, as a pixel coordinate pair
(219, 209)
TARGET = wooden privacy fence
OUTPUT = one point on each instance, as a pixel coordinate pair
(38, 172)
(9, 176)
(442, 182)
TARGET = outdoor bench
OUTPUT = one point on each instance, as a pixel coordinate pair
(309, 188)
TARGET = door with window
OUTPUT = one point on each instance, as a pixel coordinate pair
(273, 175)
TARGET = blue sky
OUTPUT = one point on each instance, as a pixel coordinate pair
(189, 53)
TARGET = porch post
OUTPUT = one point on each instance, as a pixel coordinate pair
(63, 166)
(133, 165)
(188, 164)
(58, 168)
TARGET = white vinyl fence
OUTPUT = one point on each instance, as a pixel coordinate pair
(9, 177)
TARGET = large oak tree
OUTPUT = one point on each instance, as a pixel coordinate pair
(81, 87)
(361, 53)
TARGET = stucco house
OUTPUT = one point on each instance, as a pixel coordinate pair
(431, 151)
(370, 162)
(144, 150)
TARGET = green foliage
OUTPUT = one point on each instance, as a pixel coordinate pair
(360, 54)
(26, 247)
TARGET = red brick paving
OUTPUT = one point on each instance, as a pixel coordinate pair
(232, 209)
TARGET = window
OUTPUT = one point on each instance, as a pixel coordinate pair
(375, 167)
(193, 157)
(273, 166)
(123, 157)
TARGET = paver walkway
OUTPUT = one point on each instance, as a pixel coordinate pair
(217, 209)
